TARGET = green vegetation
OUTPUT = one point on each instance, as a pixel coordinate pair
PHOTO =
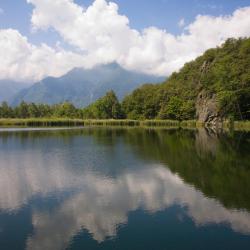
(107, 107)
(223, 72)
(32, 110)
(41, 122)
(58, 122)
(65, 122)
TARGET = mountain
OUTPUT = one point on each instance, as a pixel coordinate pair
(84, 86)
(10, 88)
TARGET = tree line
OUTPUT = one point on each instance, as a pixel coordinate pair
(32, 110)
(107, 107)
(223, 71)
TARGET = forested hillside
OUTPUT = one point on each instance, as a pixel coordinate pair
(221, 77)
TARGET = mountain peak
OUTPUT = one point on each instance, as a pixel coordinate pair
(109, 66)
(83, 86)
(113, 65)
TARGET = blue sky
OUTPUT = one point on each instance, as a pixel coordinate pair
(40, 38)
(164, 14)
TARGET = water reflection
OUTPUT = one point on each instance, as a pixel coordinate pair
(105, 174)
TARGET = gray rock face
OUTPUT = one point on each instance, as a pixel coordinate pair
(207, 110)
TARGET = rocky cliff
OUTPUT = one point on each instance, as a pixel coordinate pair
(207, 110)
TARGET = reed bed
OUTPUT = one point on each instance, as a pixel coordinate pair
(160, 123)
(111, 122)
(37, 122)
(58, 122)
(62, 122)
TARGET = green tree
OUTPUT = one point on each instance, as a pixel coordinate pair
(107, 107)
(65, 109)
(22, 110)
(33, 110)
(6, 111)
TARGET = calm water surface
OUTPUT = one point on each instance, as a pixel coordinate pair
(124, 189)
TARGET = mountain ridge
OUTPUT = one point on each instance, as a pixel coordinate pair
(84, 86)
(9, 88)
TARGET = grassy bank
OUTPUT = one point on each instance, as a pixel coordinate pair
(60, 122)
(43, 122)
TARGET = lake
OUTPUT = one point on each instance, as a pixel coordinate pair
(124, 188)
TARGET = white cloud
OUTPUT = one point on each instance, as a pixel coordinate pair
(181, 23)
(101, 35)
(105, 35)
(22, 60)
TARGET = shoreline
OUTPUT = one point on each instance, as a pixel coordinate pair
(63, 122)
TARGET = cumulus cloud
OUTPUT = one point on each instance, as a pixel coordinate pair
(22, 60)
(101, 35)
(106, 36)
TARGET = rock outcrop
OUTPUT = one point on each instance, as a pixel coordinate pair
(207, 110)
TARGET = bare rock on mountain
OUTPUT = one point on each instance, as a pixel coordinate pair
(207, 110)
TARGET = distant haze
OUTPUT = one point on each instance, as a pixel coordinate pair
(81, 86)
(9, 89)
